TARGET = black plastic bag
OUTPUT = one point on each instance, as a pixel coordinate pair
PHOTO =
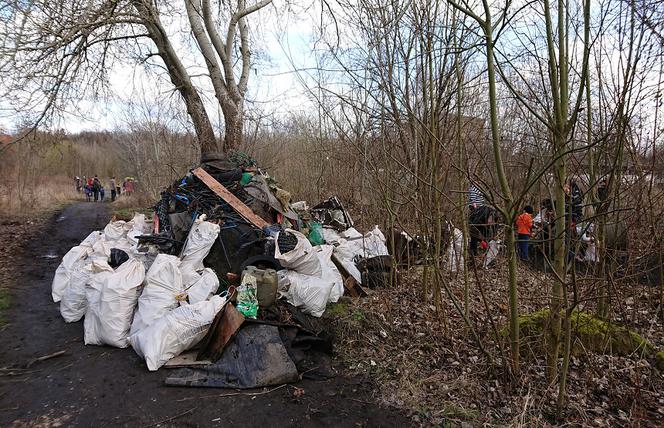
(117, 258)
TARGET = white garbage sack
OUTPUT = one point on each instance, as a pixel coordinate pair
(330, 273)
(139, 226)
(353, 243)
(302, 259)
(330, 236)
(63, 272)
(74, 301)
(112, 297)
(102, 248)
(491, 253)
(309, 293)
(204, 288)
(163, 291)
(455, 258)
(199, 242)
(590, 254)
(115, 230)
(92, 238)
(175, 332)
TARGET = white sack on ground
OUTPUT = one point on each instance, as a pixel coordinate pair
(115, 230)
(308, 293)
(74, 302)
(204, 288)
(163, 291)
(330, 273)
(330, 236)
(102, 248)
(139, 226)
(491, 253)
(92, 238)
(64, 270)
(175, 332)
(455, 258)
(199, 242)
(189, 275)
(112, 297)
(302, 259)
(353, 244)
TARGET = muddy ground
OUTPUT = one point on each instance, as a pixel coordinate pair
(104, 386)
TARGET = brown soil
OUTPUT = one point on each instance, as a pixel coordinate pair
(103, 386)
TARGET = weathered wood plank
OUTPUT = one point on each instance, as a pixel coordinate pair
(232, 200)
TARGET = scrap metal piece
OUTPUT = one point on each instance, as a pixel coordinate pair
(256, 357)
(223, 329)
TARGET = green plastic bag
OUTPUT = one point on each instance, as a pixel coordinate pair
(246, 178)
(247, 302)
(315, 233)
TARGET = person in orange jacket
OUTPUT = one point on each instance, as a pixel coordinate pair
(524, 226)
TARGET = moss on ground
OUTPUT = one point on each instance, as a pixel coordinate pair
(590, 334)
(659, 360)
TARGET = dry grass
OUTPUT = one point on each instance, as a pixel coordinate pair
(44, 194)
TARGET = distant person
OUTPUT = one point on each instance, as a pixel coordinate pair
(96, 186)
(129, 187)
(524, 227)
(102, 192)
(77, 184)
(124, 187)
(113, 189)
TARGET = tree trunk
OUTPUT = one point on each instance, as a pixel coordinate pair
(234, 119)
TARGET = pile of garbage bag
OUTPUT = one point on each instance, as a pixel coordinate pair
(225, 256)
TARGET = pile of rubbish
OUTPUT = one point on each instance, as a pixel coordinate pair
(227, 282)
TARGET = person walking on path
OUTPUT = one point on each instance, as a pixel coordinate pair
(102, 192)
(113, 189)
(96, 185)
(524, 227)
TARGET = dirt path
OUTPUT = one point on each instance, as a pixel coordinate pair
(103, 386)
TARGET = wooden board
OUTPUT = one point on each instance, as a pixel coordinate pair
(232, 200)
(188, 359)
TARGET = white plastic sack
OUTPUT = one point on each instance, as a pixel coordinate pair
(162, 292)
(330, 236)
(139, 226)
(330, 273)
(175, 332)
(309, 293)
(353, 243)
(102, 248)
(63, 272)
(455, 258)
(590, 254)
(204, 288)
(201, 237)
(491, 253)
(115, 230)
(112, 297)
(302, 259)
(92, 238)
(74, 301)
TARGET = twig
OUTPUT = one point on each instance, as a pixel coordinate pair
(7, 409)
(232, 394)
(44, 358)
(163, 421)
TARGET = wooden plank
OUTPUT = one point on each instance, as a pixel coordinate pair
(232, 200)
(188, 359)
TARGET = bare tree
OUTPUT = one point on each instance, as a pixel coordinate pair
(54, 52)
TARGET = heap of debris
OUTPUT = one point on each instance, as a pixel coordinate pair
(227, 281)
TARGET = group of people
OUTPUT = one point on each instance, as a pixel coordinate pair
(95, 190)
(482, 219)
